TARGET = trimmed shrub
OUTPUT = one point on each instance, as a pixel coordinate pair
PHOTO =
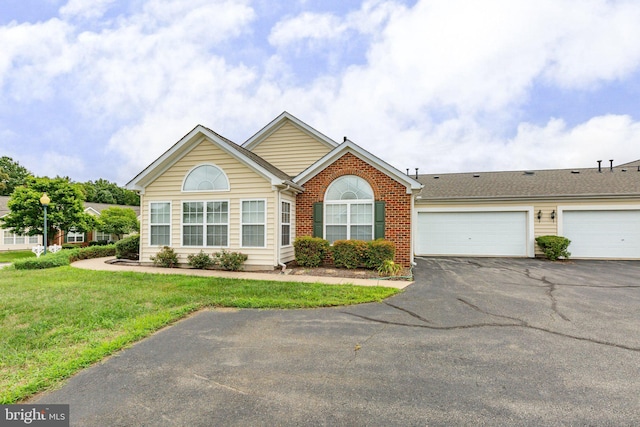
(349, 253)
(310, 251)
(232, 261)
(554, 247)
(91, 252)
(64, 257)
(165, 258)
(378, 252)
(99, 243)
(50, 260)
(201, 261)
(128, 248)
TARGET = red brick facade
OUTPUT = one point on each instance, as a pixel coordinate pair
(397, 206)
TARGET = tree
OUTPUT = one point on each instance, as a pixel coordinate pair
(12, 175)
(65, 212)
(118, 221)
(103, 191)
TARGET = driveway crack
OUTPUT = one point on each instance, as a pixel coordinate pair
(409, 312)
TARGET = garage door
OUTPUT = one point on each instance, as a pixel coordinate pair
(602, 234)
(472, 233)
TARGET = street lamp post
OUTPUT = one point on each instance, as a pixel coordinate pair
(44, 201)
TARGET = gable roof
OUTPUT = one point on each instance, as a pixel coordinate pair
(349, 146)
(623, 181)
(187, 142)
(280, 121)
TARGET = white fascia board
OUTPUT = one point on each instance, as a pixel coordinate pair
(350, 147)
(277, 123)
(182, 147)
(90, 209)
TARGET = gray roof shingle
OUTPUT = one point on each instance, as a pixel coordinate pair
(554, 183)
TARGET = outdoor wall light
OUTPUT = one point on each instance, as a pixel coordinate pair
(539, 215)
(553, 215)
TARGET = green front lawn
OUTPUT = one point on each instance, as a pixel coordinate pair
(12, 256)
(58, 321)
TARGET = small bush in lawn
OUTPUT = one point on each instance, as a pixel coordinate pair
(310, 251)
(165, 258)
(64, 257)
(389, 268)
(91, 252)
(128, 248)
(554, 247)
(349, 253)
(232, 261)
(50, 260)
(201, 260)
(379, 251)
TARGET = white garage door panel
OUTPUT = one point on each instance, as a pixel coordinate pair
(603, 234)
(472, 233)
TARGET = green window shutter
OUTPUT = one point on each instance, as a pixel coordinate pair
(317, 219)
(378, 226)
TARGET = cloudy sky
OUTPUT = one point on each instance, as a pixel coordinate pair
(99, 88)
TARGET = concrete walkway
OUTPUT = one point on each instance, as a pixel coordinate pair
(101, 264)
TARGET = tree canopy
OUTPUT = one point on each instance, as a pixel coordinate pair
(12, 175)
(118, 221)
(65, 211)
(103, 191)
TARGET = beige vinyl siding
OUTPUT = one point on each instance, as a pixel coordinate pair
(290, 149)
(245, 184)
(546, 226)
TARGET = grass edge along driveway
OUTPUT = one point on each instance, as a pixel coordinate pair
(55, 322)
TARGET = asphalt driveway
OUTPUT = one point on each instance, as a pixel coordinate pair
(472, 342)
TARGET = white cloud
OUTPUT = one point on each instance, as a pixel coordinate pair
(85, 9)
(441, 80)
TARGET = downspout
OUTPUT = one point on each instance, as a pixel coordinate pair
(279, 230)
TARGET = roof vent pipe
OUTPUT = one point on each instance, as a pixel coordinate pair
(416, 173)
(599, 165)
(344, 139)
(611, 165)
(408, 170)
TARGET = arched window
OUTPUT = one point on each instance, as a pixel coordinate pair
(206, 178)
(348, 209)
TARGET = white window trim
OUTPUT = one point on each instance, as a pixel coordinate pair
(285, 223)
(264, 224)
(204, 224)
(75, 236)
(184, 180)
(169, 224)
(347, 202)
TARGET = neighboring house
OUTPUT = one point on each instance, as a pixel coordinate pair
(10, 241)
(92, 209)
(501, 213)
(209, 193)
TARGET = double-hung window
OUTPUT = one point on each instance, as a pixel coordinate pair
(205, 223)
(349, 209)
(74, 236)
(253, 223)
(160, 224)
(285, 224)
